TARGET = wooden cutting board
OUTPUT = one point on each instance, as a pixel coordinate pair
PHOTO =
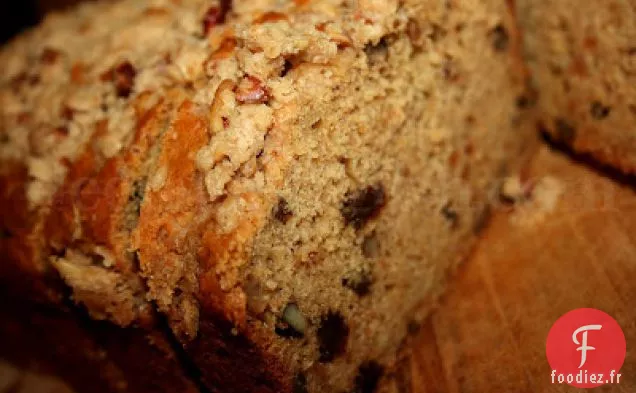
(534, 264)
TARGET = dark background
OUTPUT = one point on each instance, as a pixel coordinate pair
(16, 15)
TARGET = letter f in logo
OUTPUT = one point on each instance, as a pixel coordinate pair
(584, 347)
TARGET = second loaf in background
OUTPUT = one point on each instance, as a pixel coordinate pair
(582, 55)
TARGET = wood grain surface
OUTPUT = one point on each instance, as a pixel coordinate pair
(532, 266)
(534, 263)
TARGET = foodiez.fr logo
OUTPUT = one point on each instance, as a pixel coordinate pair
(586, 348)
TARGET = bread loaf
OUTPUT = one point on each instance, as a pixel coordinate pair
(583, 61)
(289, 183)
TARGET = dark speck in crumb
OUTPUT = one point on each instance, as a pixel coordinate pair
(500, 38)
(524, 102)
(49, 56)
(124, 78)
(332, 334)
(361, 206)
(599, 111)
(451, 215)
(282, 211)
(287, 66)
(369, 375)
(377, 52)
(360, 282)
(413, 327)
(565, 131)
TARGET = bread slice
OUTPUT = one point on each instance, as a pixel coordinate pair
(289, 183)
(583, 62)
(79, 130)
(344, 160)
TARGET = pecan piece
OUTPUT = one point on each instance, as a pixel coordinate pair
(252, 91)
(49, 56)
(216, 119)
(270, 16)
(216, 15)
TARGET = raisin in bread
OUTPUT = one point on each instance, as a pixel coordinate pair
(583, 60)
(289, 183)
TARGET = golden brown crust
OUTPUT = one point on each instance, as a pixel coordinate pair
(91, 147)
(170, 207)
(61, 221)
(219, 256)
(100, 203)
(99, 194)
(104, 199)
(87, 212)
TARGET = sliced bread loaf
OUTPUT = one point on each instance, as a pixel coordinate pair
(583, 61)
(289, 183)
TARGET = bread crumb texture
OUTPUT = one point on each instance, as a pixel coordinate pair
(583, 62)
(306, 173)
